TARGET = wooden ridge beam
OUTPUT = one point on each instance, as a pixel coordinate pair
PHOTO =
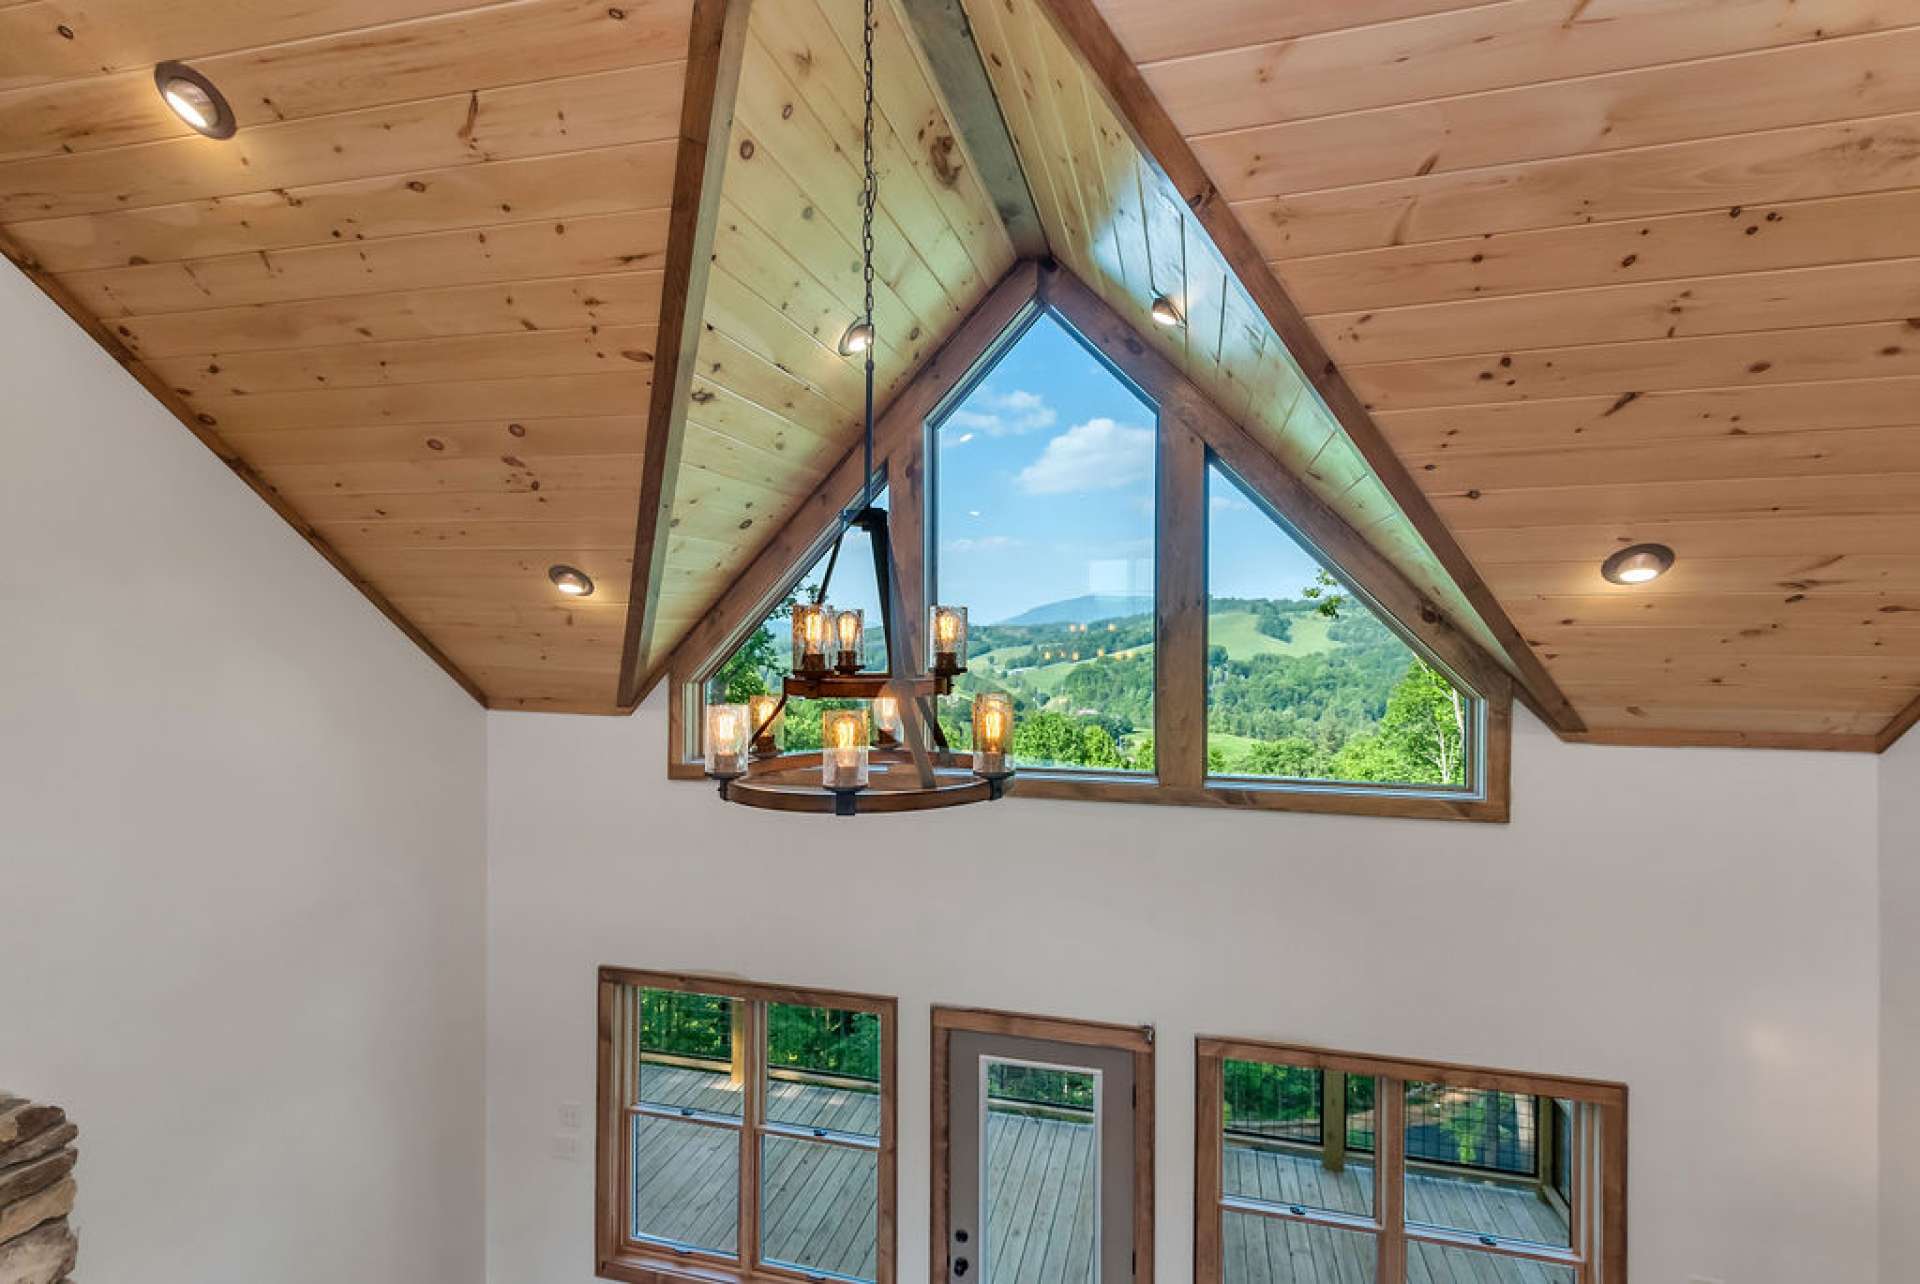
(203, 427)
(1161, 143)
(715, 48)
(953, 56)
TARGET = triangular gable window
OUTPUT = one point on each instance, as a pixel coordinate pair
(1305, 680)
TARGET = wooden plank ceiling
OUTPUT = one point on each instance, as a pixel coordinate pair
(415, 296)
(773, 405)
(1610, 271)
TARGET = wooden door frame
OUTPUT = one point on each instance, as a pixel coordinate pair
(1134, 1039)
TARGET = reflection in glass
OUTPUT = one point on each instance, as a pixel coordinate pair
(1267, 1250)
(818, 1206)
(823, 1069)
(1040, 1177)
(686, 1183)
(686, 1052)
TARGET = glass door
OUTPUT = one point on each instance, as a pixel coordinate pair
(1041, 1162)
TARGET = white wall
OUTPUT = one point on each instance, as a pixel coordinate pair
(1900, 1010)
(1700, 924)
(241, 862)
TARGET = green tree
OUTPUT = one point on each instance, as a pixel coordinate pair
(1292, 756)
(1426, 726)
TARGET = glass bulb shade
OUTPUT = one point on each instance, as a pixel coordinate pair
(729, 733)
(947, 632)
(886, 716)
(811, 626)
(766, 715)
(1639, 564)
(857, 339)
(1163, 311)
(992, 733)
(570, 580)
(850, 637)
(843, 749)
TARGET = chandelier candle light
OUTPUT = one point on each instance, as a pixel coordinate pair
(881, 746)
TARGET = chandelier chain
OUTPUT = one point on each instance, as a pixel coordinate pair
(869, 193)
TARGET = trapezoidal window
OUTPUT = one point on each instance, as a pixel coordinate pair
(762, 661)
(1306, 682)
(1042, 525)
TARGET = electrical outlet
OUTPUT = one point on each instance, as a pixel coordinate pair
(567, 1148)
(568, 1112)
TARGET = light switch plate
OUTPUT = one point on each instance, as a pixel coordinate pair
(568, 1112)
(567, 1148)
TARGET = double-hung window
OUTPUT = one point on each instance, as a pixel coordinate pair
(1335, 1168)
(746, 1131)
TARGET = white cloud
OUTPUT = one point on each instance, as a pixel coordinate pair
(1003, 414)
(1097, 455)
(1229, 504)
(983, 544)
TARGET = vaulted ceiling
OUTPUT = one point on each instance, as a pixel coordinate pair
(1508, 283)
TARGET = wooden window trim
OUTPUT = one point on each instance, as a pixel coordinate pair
(1134, 1039)
(1191, 433)
(617, 1257)
(1597, 1253)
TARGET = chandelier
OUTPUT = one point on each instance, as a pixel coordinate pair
(882, 746)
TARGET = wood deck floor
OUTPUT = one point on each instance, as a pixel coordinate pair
(820, 1211)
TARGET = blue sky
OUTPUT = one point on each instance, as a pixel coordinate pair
(1045, 491)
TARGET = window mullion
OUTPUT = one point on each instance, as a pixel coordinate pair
(1209, 1211)
(1180, 603)
(752, 1116)
(1390, 1177)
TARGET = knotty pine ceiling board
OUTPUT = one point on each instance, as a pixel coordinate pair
(1113, 218)
(415, 298)
(1611, 271)
(774, 406)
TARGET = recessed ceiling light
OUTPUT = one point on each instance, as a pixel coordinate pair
(1163, 311)
(1638, 565)
(570, 580)
(193, 98)
(857, 339)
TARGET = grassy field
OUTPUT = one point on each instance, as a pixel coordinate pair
(1239, 632)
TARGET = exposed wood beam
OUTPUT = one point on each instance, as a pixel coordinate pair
(1184, 404)
(808, 530)
(1161, 142)
(1663, 738)
(717, 41)
(204, 427)
(946, 37)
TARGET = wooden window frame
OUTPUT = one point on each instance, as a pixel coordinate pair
(1134, 1039)
(1191, 433)
(1597, 1209)
(617, 1255)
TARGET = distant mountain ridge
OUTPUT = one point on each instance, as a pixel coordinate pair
(1085, 609)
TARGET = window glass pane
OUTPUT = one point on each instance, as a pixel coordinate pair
(686, 1183)
(1304, 682)
(1273, 1146)
(1040, 1190)
(823, 1069)
(763, 661)
(1269, 1250)
(818, 1206)
(1473, 1164)
(1430, 1263)
(687, 1051)
(1043, 529)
